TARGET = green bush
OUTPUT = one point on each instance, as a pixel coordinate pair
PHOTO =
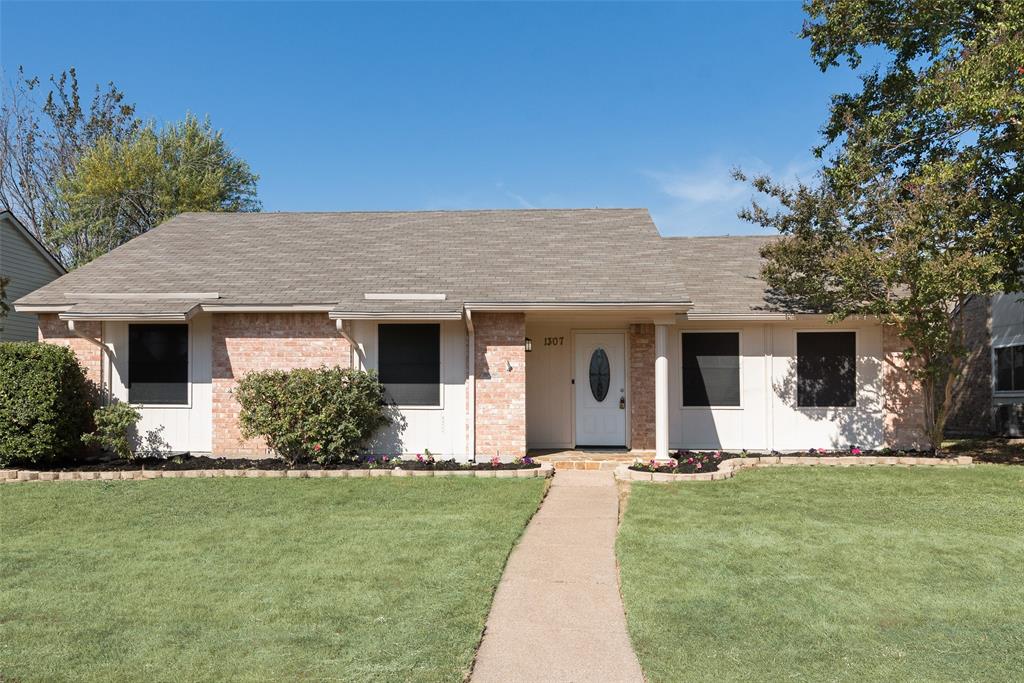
(115, 429)
(321, 415)
(46, 404)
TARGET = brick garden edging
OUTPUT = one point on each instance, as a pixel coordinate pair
(728, 468)
(17, 476)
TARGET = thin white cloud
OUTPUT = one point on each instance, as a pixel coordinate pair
(518, 198)
(705, 199)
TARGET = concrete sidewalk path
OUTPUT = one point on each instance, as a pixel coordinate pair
(557, 614)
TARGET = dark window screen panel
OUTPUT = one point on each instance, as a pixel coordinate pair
(409, 363)
(826, 369)
(1010, 368)
(1018, 368)
(158, 364)
(711, 369)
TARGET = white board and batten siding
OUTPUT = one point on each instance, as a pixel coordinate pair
(182, 427)
(767, 417)
(440, 429)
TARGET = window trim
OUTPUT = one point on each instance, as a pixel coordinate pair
(1011, 393)
(126, 380)
(441, 326)
(682, 369)
(856, 369)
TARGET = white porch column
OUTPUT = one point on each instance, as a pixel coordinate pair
(661, 392)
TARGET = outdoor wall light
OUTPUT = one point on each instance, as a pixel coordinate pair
(528, 344)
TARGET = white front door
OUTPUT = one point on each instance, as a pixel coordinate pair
(600, 379)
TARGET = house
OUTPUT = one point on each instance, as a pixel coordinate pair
(494, 332)
(29, 266)
(989, 395)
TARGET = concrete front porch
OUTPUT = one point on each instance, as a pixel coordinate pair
(589, 459)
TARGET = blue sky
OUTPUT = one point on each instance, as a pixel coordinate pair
(348, 106)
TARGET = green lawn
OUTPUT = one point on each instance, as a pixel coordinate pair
(824, 574)
(244, 579)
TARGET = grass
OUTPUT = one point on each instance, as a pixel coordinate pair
(824, 574)
(238, 579)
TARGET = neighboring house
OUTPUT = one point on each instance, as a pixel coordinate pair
(493, 331)
(989, 396)
(29, 266)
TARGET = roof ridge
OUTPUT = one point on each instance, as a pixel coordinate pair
(410, 211)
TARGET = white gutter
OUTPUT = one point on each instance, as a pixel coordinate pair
(676, 306)
(103, 348)
(363, 315)
(340, 324)
(471, 383)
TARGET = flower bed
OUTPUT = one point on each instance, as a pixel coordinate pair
(698, 462)
(187, 462)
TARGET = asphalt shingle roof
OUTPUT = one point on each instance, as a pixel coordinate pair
(539, 256)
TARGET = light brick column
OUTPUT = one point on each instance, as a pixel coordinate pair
(53, 330)
(641, 387)
(244, 342)
(500, 420)
(904, 396)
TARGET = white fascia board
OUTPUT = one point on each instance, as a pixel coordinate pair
(677, 306)
(392, 315)
(41, 308)
(267, 308)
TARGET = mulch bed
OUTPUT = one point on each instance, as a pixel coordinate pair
(695, 462)
(202, 462)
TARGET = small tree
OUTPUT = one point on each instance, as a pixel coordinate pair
(321, 415)
(115, 429)
(920, 205)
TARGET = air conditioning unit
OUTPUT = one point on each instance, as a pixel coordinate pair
(1010, 419)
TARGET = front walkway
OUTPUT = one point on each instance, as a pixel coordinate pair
(557, 614)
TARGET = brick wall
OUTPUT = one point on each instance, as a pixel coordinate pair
(971, 413)
(243, 342)
(904, 402)
(641, 386)
(53, 330)
(500, 393)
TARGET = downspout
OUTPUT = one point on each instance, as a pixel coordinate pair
(340, 324)
(103, 349)
(471, 384)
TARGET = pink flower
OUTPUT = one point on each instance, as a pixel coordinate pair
(419, 457)
(822, 451)
(699, 466)
(495, 461)
(855, 451)
(317, 447)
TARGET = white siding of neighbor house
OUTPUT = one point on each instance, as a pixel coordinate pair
(767, 418)
(28, 269)
(442, 429)
(182, 428)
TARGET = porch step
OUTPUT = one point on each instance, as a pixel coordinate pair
(577, 460)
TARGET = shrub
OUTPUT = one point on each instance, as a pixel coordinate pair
(322, 415)
(115, 429)
(46, 403)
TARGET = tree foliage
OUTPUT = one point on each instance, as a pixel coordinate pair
(921, 200)
(121, 188)
(85, 179)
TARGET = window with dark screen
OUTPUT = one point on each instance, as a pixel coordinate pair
(1010, 368)
(409, 363)
(711, 369)
(826, 369)
(158, 364)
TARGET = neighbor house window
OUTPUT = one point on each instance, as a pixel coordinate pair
(158, 364)
(711, 369)
(1010, 368)
(409, 363)
(826, 369)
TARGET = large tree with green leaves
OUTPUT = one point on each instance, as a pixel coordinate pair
(120, 188)
(920, 204)
(87, 178)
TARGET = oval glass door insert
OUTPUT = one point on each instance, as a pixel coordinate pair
(600, 375)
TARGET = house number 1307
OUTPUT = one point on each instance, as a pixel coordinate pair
(554, 341)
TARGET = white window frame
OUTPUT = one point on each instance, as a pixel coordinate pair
(682, 392)
(126, 381)
(856, 370)
(440, 361)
